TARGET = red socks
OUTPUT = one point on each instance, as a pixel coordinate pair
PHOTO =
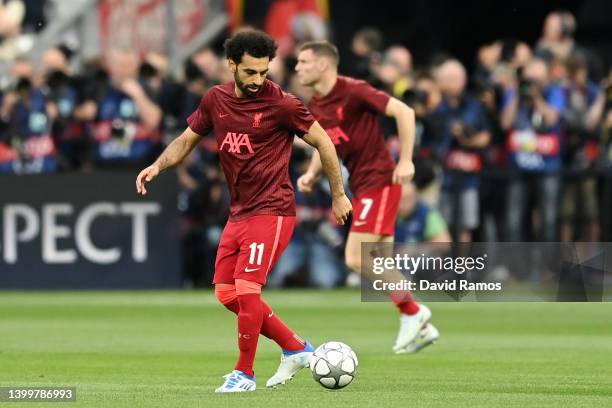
(274, 328)
(254, 317)
(250, 318)
(405, 302)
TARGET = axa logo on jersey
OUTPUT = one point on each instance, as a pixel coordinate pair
(236, 142)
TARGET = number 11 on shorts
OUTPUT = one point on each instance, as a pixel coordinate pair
(256, 252)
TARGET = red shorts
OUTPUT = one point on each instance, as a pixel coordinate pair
(375, 211)
(249, 248)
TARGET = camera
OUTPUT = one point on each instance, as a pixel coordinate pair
(525, 89)
(416, 97)
(117, 129)
(467, 130)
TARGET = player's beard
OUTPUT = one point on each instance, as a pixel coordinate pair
(250, 93)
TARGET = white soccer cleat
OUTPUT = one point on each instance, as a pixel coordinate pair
(427, 336)
(290, 364)
(237, 381)
(410, 326)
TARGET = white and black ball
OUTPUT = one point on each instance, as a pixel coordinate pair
(334, 365)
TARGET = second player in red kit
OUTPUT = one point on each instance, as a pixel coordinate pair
(348, 109)
(254, 123)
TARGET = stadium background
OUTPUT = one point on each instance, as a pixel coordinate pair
(102, 86)
(76, 223)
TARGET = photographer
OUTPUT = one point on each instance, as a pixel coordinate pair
(127, 125)
(26, 145)
(585, 103)
(606, 162)
(532, 110)
(463, 132)
(417, 222)
(64, 95)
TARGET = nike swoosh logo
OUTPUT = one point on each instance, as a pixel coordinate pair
(271, 314)
(360, 223)
(247, 269)
(223, 115)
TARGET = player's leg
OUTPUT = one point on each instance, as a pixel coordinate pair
(272, 326)
(374, 222)
(374, 218)
(250, 318)
(266, 239)
(225, 290)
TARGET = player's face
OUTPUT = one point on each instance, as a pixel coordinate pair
(250, 74)
(308, 68)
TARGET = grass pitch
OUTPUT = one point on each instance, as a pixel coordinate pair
(169, 349)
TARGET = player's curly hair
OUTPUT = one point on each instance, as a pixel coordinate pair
(253, 42)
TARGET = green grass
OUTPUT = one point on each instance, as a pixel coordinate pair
(169, 349)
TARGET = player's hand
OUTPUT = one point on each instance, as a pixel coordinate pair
(145, 176)
(342, 208)
(403, 173)
(306, 182)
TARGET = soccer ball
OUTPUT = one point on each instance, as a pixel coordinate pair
(333, 365)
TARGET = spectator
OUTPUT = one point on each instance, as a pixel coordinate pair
(557, 36)
(495, 179)
(69, 129)
(11, 16)
(208, 62)
(127, 125)
(166, 91)
(395, 72)
(365, 52)
(12, 13)
(417, 222)
(424, 98)
(196, 85)
(26, 145)
(606, 163)
(204, 203)
(463, 132)
(585, 103)
(558, 43)
(532, 109)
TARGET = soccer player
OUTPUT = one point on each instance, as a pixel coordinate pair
(348, 108)
(254, 122)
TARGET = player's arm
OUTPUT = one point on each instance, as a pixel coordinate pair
(306, 181)
(171, 156)
(404, 119)
(317, 138)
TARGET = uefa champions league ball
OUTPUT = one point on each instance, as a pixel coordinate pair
(333, 365)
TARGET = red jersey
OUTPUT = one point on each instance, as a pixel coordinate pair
(349, 114)
(254, 138)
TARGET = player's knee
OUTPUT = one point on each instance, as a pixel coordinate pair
(245, 287)
(353, 262)
(226, 293)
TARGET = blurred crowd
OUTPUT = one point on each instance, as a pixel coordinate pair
(518, 148)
